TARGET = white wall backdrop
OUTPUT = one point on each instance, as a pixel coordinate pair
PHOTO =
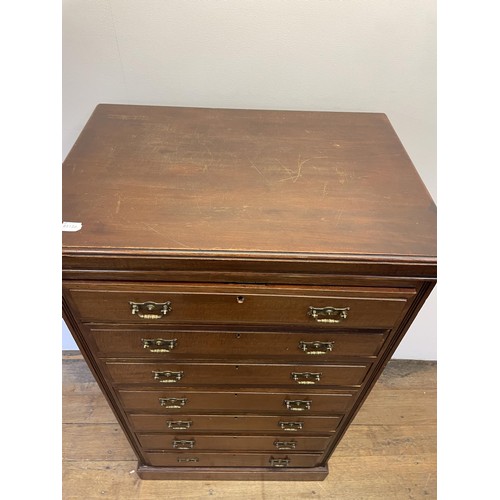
(324, 55)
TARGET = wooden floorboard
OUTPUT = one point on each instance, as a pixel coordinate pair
(389, 452)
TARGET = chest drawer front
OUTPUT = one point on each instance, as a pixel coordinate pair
(177, 401)
(189, 374)
(185, 423)
(237, 443)
(220, 459)
(318, 308)
(173, 344)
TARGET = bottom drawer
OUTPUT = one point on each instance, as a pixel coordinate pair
(225, 423)
(223, 442)
(271, 460)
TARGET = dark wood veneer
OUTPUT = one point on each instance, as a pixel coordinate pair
(200, 442)
(242, 374)
(126, 342)
(219, 459)
(261, 424)
(242, 220)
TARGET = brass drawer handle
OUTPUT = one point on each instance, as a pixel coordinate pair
(159, 345)
(306, 377)
(297, 404)
(172, 402)
(167, 377)
(179, 425)
(183, 444)
(279, 462)
(334, 314)
(291, 426)
(150, 310)
(285, 445)
(193, 459)
(315, 347)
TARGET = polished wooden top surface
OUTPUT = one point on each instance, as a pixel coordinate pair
(244, 183)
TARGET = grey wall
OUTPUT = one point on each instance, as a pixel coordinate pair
(331, 55)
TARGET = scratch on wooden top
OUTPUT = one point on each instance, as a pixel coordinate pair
(166, 236)
(127, 117)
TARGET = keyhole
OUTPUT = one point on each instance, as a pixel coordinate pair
(240, 299)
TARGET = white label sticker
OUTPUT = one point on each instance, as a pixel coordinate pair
(71, 226)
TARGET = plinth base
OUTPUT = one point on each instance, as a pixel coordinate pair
(233, 473)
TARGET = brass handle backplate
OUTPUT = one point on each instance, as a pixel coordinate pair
(150, 310)
(193, 459)
(172, 402)
(183, 444)
(159, 345)
(167, 377)
(291, 426)
(306, 377)
(333, 314)
(315, 347)
(285, 445)
(179, 425)
(297, 404)
(279, 462)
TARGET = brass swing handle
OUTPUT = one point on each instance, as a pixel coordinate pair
(316, 347)
(291, 426)
(172, 402)
(183, 444)
(297, 404)
(167, 377)
(306, 377)
(150, 310)
(159, 345)
(179, 425)
(190, 459)
(279, 462)
(285, 445)
(334, 314)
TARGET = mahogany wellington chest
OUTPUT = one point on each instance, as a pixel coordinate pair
(237, 279)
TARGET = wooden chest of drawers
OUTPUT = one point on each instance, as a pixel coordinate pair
(240, 279)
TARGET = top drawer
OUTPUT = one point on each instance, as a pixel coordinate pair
(325, 307)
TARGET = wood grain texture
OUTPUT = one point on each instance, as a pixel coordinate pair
(274, 424)
(388, 452)
(256, 375)
(191, 181)
(110, 302)
(193, 344)
(271, 221)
